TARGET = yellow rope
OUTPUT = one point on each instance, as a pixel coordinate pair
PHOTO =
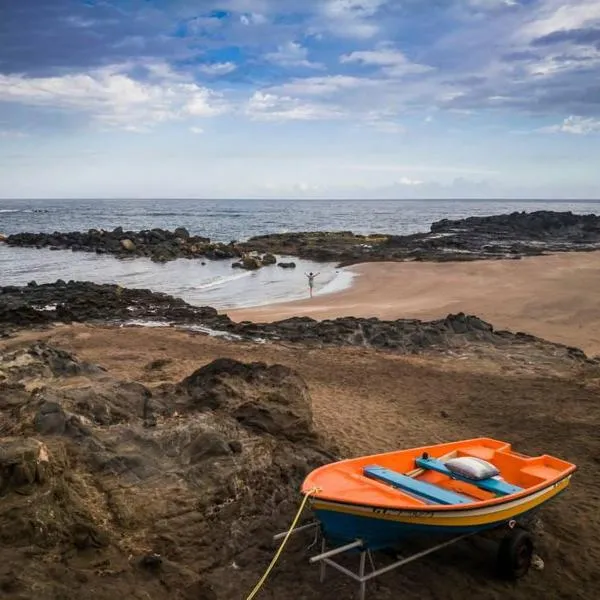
(285, 539)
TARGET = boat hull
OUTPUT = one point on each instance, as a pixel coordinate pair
(382, 528)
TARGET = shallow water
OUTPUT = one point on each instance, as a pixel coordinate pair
(214, 284)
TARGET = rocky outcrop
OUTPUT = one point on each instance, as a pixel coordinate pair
(269, 399)
(82, 301)
(23, 462)
(113, 505)
(36, 305)
(496, 237)
(157, 244)
(41, 360)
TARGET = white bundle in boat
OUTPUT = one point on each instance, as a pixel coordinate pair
(472, 468)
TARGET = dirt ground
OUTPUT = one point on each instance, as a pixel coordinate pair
(553, 297)
(368, 402)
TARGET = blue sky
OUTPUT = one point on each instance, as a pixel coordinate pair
(290, 98)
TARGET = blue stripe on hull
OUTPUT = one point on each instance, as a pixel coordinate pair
(341, 528)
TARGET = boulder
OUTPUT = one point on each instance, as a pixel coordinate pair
(128, 245)
(269, 259)
(50, 419)
(3, 237)
(182, 232)
(23, 462)
(251, 263)
(287, 265)
(265, 399)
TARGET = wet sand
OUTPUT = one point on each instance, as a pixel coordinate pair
(554, 297)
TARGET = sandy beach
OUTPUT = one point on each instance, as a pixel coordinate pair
(554, 297)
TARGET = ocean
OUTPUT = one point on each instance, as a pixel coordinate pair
(217, 284)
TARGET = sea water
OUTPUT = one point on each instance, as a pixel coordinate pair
(216, 283)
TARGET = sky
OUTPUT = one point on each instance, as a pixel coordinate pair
(300, 98)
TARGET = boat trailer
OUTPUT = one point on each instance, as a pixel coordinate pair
(326, 557)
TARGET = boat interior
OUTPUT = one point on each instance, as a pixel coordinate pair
(419, 477)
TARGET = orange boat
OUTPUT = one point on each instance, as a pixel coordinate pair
(453, 488)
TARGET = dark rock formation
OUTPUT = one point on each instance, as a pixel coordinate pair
(88, 302)
(271, 399)
(141, 511)
(500, 236)
(82, 301)
(158, 244)
(41, 360)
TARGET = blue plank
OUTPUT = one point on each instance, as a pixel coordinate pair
(496, 486)
(426, 490)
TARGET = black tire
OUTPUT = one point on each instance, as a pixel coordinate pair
(514, 554)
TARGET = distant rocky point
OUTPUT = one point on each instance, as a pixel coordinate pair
(475, 238)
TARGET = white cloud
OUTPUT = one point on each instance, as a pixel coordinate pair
(291, 54)
(253, 19)
(391, 61)
(218, 68)
(554, 63)
(113, 98)
(558, 15)
(352, 18)
(197, 130)
(271, 107)
(321, 86)
(408, 181)
(575, 125)
(491, 4)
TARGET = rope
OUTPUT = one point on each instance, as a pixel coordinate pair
(262, 580)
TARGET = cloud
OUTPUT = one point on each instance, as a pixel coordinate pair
(111, 97)
(322, 86)
(197, 130)
(487, 5)
(560, 16)
(391, 61)
(271, 107)
(218, 68)
(253, 19)
(352, 18)
(40, 37)
(291, 54)
(584, 36)
(575, 125)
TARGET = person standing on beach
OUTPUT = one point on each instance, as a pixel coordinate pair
(311, 281)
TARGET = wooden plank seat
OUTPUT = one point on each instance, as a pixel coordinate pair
(429, 492)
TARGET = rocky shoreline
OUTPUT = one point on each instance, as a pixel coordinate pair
(475, 238)
(83, 466)
(84, 302)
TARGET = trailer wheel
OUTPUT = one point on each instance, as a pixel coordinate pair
(515, 554)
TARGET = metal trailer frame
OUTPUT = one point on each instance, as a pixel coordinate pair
(362, 576)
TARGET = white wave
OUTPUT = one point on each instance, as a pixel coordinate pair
(222, 280)
(9, 210)
(198, 328)
(142, 323)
